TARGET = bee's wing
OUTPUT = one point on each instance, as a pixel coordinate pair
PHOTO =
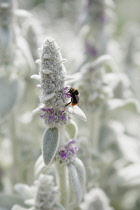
(75, 99)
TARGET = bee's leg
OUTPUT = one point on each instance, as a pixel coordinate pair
(67, 104)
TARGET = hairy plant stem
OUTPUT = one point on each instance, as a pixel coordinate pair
(14, 145)
(62, 176)
(63, 183)
(94, 128)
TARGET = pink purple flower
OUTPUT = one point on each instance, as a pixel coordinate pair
(68, 152)
(52, 116)
(62, 115)
(66, 92)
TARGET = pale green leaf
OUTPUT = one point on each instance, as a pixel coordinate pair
(50, 144)
(72, 129)
(78, 178)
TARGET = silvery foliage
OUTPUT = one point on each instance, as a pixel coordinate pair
(58, 119)
(96, 26)
(96, 199)
(15, 56)
(16, 64)
(131, 56)
(7, 201)
(93, 84)
(43, 195)
(7, 54)
(109, 128)
(52, 77)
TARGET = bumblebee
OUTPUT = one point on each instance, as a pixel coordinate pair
(74, 94)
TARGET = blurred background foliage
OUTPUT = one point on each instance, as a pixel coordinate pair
(115, 165)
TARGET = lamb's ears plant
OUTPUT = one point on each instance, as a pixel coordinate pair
(96, 199)
(31, 31)
(57, 118)
(75, 174)
(43, 195)
(9, 87)
(95, 92)
(95, 19)
(78, 179)
(30, 28)
(15, 62)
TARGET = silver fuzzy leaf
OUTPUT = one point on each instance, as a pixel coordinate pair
(78, 178)
(72, 129)
(50, 144)
(96, 199)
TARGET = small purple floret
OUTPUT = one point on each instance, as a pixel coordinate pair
(68, 95)
(62, 115)
(51, 117)
(42, 116)
(43, 109)
(72, 150)
(50, 114)
(66, 88)
(72, 141)
(66, 92)
(49, 110)
(61, 111)
(67, 153)
(70, 146)
(63, 154)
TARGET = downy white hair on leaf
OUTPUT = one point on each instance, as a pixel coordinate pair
(96, 199)
(44, 195)
(54, 96)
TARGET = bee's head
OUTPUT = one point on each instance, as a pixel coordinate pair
(70, 90)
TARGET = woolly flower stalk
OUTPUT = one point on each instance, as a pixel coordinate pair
(95, 19)
(95, 91)
(96, 199)
(43, 195)
(54, 97)
(56, 111)
(46, 194)
(52, 77)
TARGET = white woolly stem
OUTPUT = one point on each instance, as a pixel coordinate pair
(62, 176)
(14, 146)
(62, 179)
(62, 134)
